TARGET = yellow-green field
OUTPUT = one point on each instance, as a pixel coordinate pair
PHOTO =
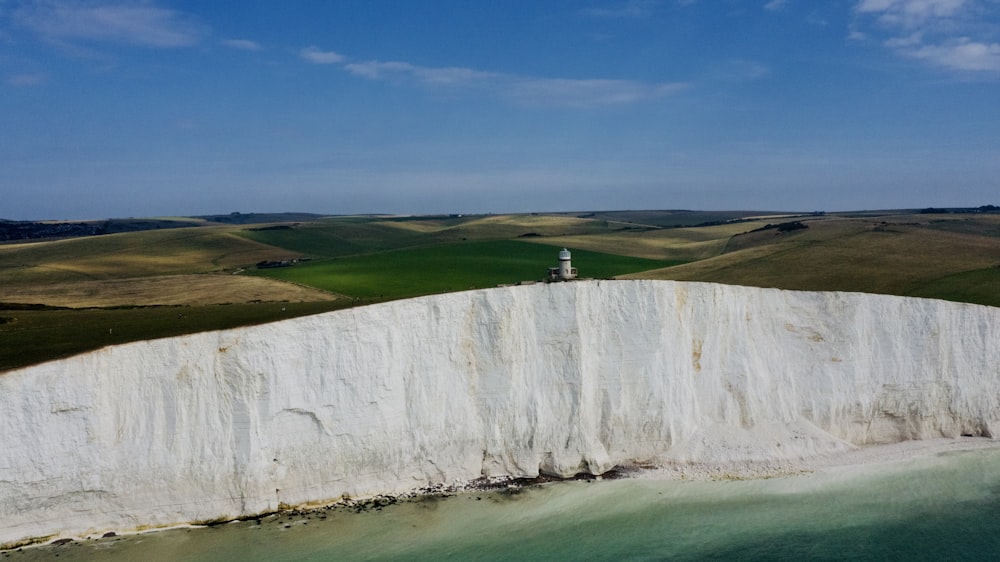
(685, 244)
(162, 290)
(207, 249)
(203, 277)
(915, 255)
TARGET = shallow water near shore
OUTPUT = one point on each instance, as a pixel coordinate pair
(938, 506)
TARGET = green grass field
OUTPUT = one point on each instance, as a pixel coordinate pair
(450, 267)
(980, 286)
(335, 237)
(31, 336)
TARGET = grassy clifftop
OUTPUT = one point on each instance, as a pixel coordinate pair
(61, 297)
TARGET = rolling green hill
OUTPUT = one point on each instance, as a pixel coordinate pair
(449, 267)
(954, 257)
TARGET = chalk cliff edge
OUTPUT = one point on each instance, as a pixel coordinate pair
(558, 379)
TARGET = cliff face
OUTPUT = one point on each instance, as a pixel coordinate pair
(560, 378)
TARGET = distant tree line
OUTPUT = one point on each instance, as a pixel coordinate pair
(31, 230)
(941, 211)
(782, 227)
(10, 230)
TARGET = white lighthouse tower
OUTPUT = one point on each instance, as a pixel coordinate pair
(565, 271)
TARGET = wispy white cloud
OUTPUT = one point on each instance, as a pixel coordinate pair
(442, 76)
(524, 90)
(585, 92)
(817, 18)
(775, 5)
(961, 54)
(319, 56)
(242, 44)
(26, 80)
(739, 70)
(628, 9)
(945, 33)
(118, 21)
(912, 13)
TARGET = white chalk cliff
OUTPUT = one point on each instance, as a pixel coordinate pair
(560, 379)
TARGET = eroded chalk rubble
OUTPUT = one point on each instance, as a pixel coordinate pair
(555, 379)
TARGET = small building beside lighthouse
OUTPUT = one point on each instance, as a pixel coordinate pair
(565, 271)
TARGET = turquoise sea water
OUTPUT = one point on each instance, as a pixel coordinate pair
(941, 507)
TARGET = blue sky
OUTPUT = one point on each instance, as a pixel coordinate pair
(115, 108)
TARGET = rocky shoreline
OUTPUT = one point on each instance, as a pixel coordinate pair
(511, 486)
(289, 515)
